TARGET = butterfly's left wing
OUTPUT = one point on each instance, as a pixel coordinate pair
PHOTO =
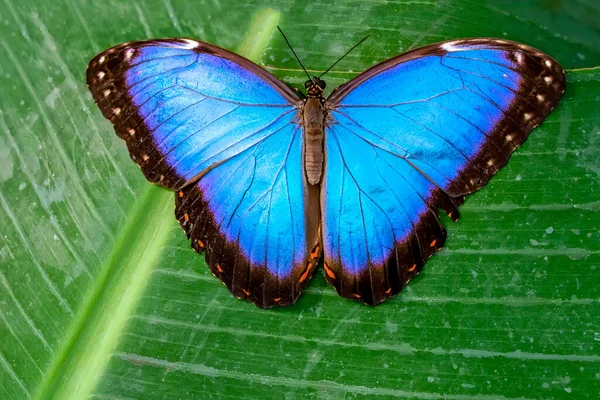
(221, 132)
(414, 134)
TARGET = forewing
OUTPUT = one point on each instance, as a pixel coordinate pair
(414, 134)
(184, 106)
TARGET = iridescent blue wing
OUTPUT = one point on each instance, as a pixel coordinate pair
(414, 134)
(220, 131)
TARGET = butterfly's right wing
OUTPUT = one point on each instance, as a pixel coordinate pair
(222, 132)
(414, 134)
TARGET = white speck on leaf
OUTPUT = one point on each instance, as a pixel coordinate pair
(49, 195)
(391, 327)
(319, 310)
(51, 98)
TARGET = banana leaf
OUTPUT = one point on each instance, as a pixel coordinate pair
(102, 297)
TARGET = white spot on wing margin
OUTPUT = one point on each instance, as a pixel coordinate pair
(451, 46)
(187, 44)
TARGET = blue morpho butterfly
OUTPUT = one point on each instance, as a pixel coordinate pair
(268, 180)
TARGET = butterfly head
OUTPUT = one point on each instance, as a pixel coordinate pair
(315, 87)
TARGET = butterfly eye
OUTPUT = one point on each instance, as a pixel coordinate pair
(307, 84)
(322, 84)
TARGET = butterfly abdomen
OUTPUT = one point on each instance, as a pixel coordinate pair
(313, 119)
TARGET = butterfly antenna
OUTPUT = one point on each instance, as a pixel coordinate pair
(295, 55)
(340, 59)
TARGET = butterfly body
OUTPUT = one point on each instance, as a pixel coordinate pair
(268, 183)
(314, 132)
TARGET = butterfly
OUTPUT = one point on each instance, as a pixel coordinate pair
(268, 181)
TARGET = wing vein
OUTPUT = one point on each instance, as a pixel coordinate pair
(154, 129)
(161, 58)
(237, 102)
(210, 159)
(401, 103)
(361, 191)
(432, 131)
(129, 90)
(399, 156)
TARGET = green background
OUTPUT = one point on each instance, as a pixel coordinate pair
(102, 297)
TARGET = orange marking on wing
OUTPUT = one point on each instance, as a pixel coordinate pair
(315, 252)
(200, 243)
(219, 268)
(411, 269)
(356, 295)
(433, 243)
(305, 273)
(388, 291)
(186, 217)
(180, 193)
(450, 214)
(247, 293)
(277, 300)
(328, 271)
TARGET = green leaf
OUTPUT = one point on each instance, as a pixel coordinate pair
(101, 295)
